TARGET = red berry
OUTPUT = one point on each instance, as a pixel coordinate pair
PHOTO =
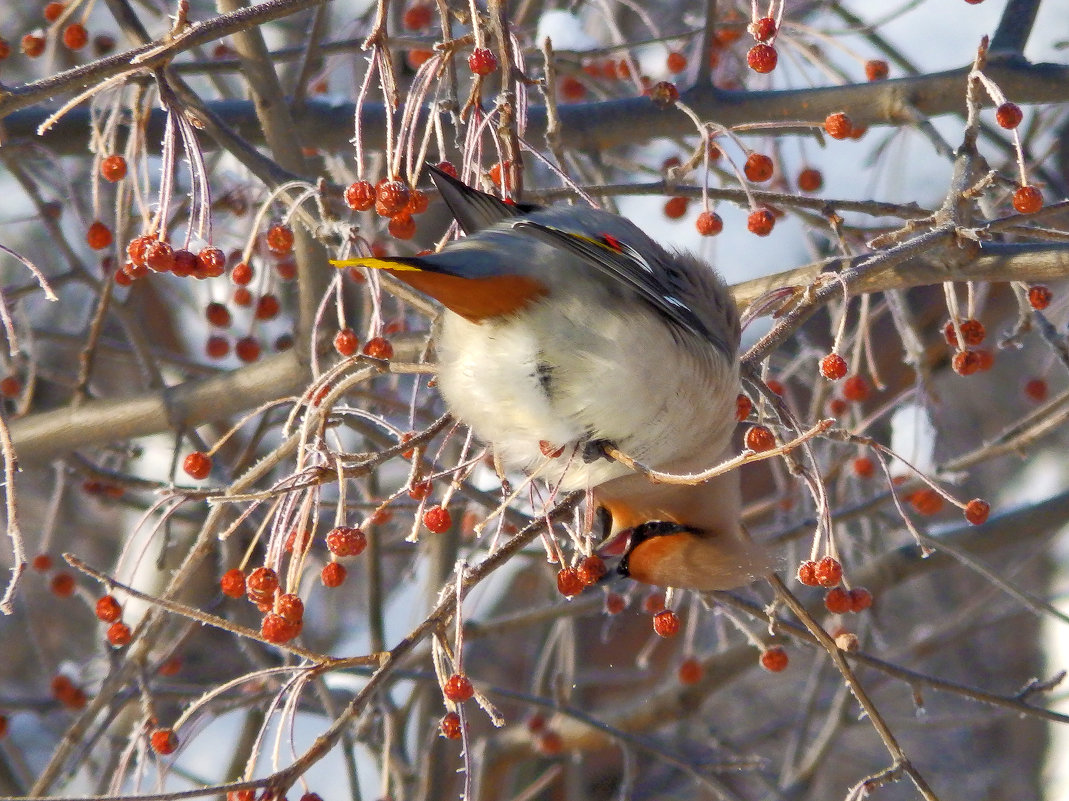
(758, 167)
(137, 248)
(690, 671)
(876, 69)
(760, 222)
(33, 45)
(863, 467)
(591, 570)
(346, 541)
(614, 603)
(965, 362)
(1039, 297)
(10, 387)
(159, 256)
(833, 367)
(276, 629)
(164, 741)
(416, 17)
(280, 239)
(837, 601)
(775, 387)
(448, 168)
(482, 61)
(709, 223)
(458, 688)
(261, 585)
(108, 609)
(98, 236)
(569, 582)
(675, 207)
(774, 659)
(378, 348)
(419, 490)
(119, 634)
(763, 29)
(345, 342)
(450, 726)
(976, 511)
(211, 262)
(42, 563)
(759, 439)
(360, 195)
(197, 465)
(52, 11)
(113, 168)
(762, 58)
(743, 407)
(1036, 390)
(860, 599)
(217, 314)
(663, 94)
(267, 307)
(1028, 200)
(290, 607)
(828, 572)
(927, 501)
(549, 450)
(247, 348)
(807, 573)
(572, 89)
(185, 263)
(437, 520)
(550, 743)
(232, 583)
(810, 180)
(418, 202)
(75, 36)
(653, 603)
(677, 62)
(666, 623)
(333, 574)
(972, 332)
(241, 274)
(1009, 115)
(402, 226)
(856, 389)
(838, 125)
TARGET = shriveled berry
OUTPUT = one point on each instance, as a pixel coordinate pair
(164, 741)
(763, 29)
(280, 239)
(807, 573)
(346, 541)
(197, 465)
(591, 570)
(833, 367)
(965, 362)
(762, 58)
(211, 262)
(690, 671)
(437, 520)
(232, 583)
(333, 574)
(569, 583)
(828, 572)
(276, 629)
(1009, 115)
(663, 94)
(418, 202)
(810, 180)
(458, 688)
(113, 168)
(709, 223)
(758, 167)
(108, 609)
(977, 510)
(760, 222)
(159, 256)
(119, 634)
(760, 438)
(837, 601)
(378, 348)
(98, 236)
(1028, 200)
(261, 584)
(450, 726)
(972, 331)
(838, 125)
(860, 599)
(774, 659)
(482, 61)
(360, 195)
(666, 623)
(1039, 297)
(856, 389)
(448, 168)
(743, 407)
(290, 607)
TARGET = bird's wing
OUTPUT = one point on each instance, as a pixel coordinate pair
(472, 209)
(620, 262)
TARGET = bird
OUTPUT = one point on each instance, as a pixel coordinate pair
(566, 329)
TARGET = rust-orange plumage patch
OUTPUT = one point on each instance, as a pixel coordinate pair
(475, 299)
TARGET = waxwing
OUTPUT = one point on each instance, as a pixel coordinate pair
(567, 328)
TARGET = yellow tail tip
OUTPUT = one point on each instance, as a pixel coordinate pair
(373, 263)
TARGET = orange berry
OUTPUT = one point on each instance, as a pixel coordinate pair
(763, 29)
(108, 609)
(758, 167)
(417, 17)
(591, 570)
(1009, 115)
(261, 585)
(709, 223)
(653, 603)
(276, 629)
(838, 125)
(676, 207)
(75, 36)
(1039, 297)
(666, 623)
(217, 314)
(113, 168)
(972, 331)
(267, 307)
(762, 58)
(10, 386)
(828, 572)
(42, 563)
(289, 607)
(677, 62)
(450, 726)
(98, 236)
(378, 348)
(863, 467)
(232, 583)
(280, 239)
(550, 743)
(1028, 200)
(119, 634)
(437, 520)
(807, 573)
(569, 582)
(926, 501)
(62, 584)
(345, 342)
(159, 256)
(52, 11)
(743, 407)
(833, 367)
(572, 89)
(977, 510)
(197, 465)
(164, 741)
(346, 541)
(760, 222)
(247, 348)
(333, 574)
(458, 688)
(837, 601)
(241, 274)
(965, 362)
(759, 439)
(876, 69)
(774, 659)
(690, 671)
(810, 180)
